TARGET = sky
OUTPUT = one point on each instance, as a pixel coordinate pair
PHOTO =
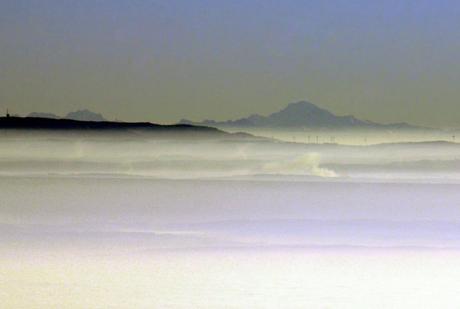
(160, 61)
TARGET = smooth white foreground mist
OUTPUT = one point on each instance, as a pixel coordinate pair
(100, 222)
(233, 279)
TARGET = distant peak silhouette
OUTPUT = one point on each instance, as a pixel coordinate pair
(81, 115)
(303, 114)
(85, 115)
(43, 115)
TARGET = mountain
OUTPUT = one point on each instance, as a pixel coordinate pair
(85, 115)
(302, 115)
(81, 115)
(43, 115)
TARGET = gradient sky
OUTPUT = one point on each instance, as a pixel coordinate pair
(160, 61)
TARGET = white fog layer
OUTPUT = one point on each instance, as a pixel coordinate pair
(216, 223)
(171, 193)
(41, 155)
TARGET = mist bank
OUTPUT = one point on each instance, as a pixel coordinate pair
(222, 156)
(113, 217)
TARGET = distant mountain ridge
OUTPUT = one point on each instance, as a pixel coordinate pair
(68, 125)
(81, 115)
(43, 115)
(85, 115)
(302, 114)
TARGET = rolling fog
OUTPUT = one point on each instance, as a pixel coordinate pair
(173, 158)
(350, 136)
(224, 191)
(137, 221)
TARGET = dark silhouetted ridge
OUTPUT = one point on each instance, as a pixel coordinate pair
(36, 123)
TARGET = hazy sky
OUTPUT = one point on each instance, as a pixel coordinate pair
(164, 60)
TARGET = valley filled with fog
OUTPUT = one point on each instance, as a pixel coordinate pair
(113, 216)
(238, 191)
(227, 157)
